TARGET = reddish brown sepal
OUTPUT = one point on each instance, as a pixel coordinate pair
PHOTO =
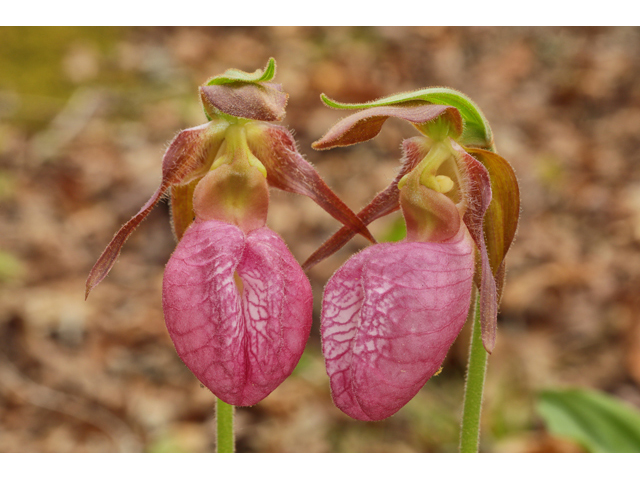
(265, 102)
(366, 124)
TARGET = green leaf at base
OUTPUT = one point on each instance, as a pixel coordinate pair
(598, 422)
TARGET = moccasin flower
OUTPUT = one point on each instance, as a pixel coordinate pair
(236, 303)
(391, 312)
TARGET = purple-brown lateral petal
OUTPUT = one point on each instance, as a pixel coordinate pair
(389, 316)
(501, 219)
(265, 102)
(287, 170)
(238, 309)
(366, 124)
(388, 201)
(477, 191)
(188, 156)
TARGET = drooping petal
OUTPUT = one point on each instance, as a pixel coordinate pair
(189, 155)
(365, 125)
(287, 170)
(477, 190)
(501, 219)
(388, 201)
(238, 309)
(389, 316)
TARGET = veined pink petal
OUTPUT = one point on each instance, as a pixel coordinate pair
(389, 316)
(239, 341)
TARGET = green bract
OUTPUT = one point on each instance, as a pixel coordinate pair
(233, 75)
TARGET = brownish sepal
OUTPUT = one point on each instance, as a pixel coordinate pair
(366, 124)
(264, 102)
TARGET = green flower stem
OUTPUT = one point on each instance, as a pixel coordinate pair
(476, 370)
(224, 418)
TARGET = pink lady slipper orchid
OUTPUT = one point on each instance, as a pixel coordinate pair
(390, 313)
(236, 303)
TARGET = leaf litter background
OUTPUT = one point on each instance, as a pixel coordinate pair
(85, 114)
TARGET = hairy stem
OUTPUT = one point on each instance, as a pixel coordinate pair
(476, 370)
(225, 442)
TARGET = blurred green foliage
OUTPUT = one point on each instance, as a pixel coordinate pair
(39, 71)
(396, 232)
(7, 183)
(31, 57)
(598, 422)
(550, 172)
(11, 267)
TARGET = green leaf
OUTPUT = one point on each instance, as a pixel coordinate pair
(477, 132)
(233, 75)
(599, 422)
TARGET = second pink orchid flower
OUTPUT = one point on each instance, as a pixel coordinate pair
(391, 312)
